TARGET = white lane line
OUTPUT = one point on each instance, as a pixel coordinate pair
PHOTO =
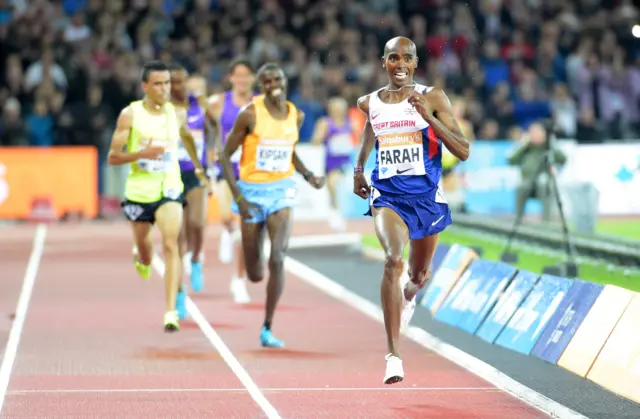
(231, 390)
(15, 333)
(223, 350)
(422, 337)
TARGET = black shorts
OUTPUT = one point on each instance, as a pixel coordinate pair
(146, 212)
(190, 180)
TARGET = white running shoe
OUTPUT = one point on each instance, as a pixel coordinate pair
(408, 307)
(337, 222)
(225, 252)
(238, 288)
(236, 236)
(394, 372)
(186, 263)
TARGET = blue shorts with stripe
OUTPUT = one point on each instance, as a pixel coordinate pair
(422, 214)
(268, 197)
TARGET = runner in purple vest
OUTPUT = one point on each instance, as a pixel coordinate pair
(335, 132)
(192, 233)
(226, 107)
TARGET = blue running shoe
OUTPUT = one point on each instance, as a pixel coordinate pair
(268, 340)
(181, 304)
(197, 282)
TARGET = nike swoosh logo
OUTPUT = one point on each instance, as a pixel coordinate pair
(403, 171)
(437, 221)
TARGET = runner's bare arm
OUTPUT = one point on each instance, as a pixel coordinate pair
(445, 125)
(187, 138)
(117, 153)
(241, 128)
(368, 140)
(213, 127)
(319, 131)
(297, 163)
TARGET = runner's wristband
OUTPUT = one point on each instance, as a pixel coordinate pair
(239, 198)
(357, 169)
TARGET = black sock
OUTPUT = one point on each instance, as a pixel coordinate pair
(267, 325)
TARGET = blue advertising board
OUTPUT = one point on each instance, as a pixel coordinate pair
(526, 325)
(438, 257)
(507, 305)
(565, 321)
(490, 182)
(446, 277)
(486, 296)
(464, 292)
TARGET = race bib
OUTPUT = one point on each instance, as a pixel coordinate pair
(273, 158)
(440, 199)
(183, 154)
(373, 196)
(158, 165)
(340, 145)
(171, 193)
(400, 155)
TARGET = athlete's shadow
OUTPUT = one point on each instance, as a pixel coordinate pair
(190, 324)
(208, 296)
(178, 353)
(261, 307)
(285, 353)
(433, 411)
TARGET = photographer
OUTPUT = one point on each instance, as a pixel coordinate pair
(535, 182)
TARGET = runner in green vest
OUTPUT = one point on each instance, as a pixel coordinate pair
(147, 135)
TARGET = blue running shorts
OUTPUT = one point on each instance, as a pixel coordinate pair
(423, 216)
(269, 197)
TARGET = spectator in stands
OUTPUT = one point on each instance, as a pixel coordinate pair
(504, 58)
(565, 112)
(40, 124)
(12, 129)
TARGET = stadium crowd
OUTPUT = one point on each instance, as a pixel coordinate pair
(67, 67)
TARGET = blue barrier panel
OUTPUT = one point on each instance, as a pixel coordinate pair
(487, 296)
(453, 265)
(528, 322)
(565, 321)
(464, 292)
(438, 257)
(507, 305)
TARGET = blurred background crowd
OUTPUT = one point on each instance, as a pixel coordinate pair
(67, 67)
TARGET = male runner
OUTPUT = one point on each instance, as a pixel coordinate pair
(150, 129)
(195, 192)
(226, 107)
(267, 130)
(407, 123)
(335, 132)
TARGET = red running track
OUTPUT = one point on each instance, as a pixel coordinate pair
(93, 346)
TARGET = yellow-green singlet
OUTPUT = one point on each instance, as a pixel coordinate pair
(150, 180)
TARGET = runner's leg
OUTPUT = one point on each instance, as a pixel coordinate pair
(279, 228)
(195, 215)
(393, 235)
(181, 300)
(337, 221)
(225, 251)
(169, 219)
(238, 285)
(421, 253)
(143, 247)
